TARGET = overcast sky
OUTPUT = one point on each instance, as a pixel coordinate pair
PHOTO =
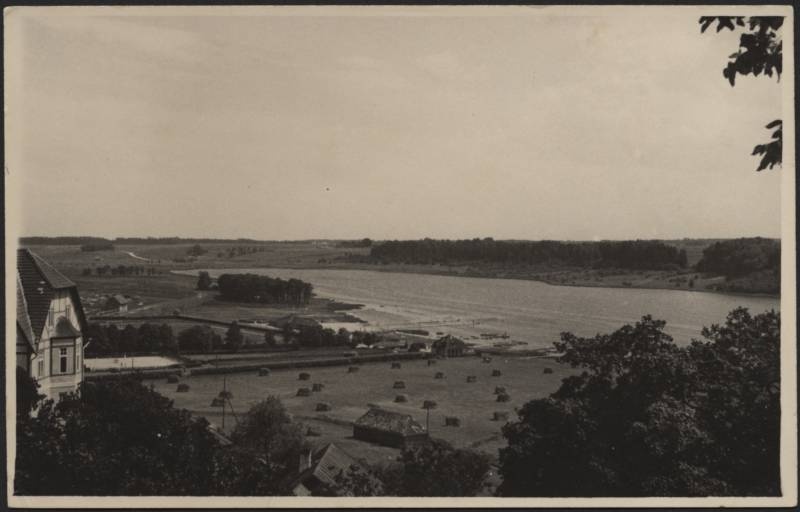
(295, 127)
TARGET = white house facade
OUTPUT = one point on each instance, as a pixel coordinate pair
(50, 326)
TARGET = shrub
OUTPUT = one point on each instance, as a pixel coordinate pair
(399, 385)
(395, 366)
(548, 370)
(500, 416)
(503, 397)
(303, 392)
(352, 369)
(182, 388)
(439, 375)
(431, 362)
(452, 421)
(304, 376)
(401, 398)
(263, 372)
(496, 373)
(499, 389)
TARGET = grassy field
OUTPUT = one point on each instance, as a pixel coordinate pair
(350, 393)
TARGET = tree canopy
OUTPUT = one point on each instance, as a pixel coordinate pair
(760, 51)
(649, 418)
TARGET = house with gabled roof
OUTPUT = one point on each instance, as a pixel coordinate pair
(117, 303)
(389, 428)
(50, 326)
(319, 472)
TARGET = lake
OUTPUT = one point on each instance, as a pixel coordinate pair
(528, 311)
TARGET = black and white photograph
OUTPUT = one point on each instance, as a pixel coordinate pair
(400, 256)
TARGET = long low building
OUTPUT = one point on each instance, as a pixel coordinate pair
(389, 428)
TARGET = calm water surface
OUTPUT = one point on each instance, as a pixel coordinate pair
(528, 311)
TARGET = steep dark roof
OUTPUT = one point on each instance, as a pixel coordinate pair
(40, 282)
(326, 463)
(23, 320)
(389, 421)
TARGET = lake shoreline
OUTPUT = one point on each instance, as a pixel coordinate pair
(427, 270)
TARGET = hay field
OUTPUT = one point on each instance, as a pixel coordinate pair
(349, 394)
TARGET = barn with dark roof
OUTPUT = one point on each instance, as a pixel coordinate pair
(389, 428)
(50, 323)
(318, 472)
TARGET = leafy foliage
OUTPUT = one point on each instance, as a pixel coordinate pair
(436, 468)
(649, 418)
(107, 340)
(203, 280)
(742, 256)
(771, 152)
(234, 337)
(27, 393)
(121, 438)
(264, 289)
(267, 432)
(638, 254)
(760, 51)
(116, 438)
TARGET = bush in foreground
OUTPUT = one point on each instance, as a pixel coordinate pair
(649, 418)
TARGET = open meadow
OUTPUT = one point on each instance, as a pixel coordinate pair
(350, 393)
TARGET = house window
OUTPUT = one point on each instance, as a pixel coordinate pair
(62, 357)
(63, 360)
(40, 368)
(66, 311)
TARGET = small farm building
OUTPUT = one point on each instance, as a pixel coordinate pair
(388, 428)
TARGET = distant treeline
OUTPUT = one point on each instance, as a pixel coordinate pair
(635, 254)
(105, 245)
(364, 242)
(255, 288)
(86, 240)
(63, 240)
(179, 240)
(120, 271)
(740, 257)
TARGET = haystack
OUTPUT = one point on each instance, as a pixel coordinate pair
(401, 398)
(263, 372)
(548, 370)
(496, 373)
(452, 421)
(317, 386)
(304, 376)
(395, 366)
(399, 384)
(472, 378)
(503, 397)
(439, 375)
(183, 388)
(500, 416)
(323, 406)
(303, 392)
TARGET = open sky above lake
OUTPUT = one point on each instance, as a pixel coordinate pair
(510, 123)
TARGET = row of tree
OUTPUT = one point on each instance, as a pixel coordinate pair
(634, 254)
(119, 271)
(110, 340)
(264, 289)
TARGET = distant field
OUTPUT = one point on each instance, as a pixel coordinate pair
(140, 362)
(349, 394)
